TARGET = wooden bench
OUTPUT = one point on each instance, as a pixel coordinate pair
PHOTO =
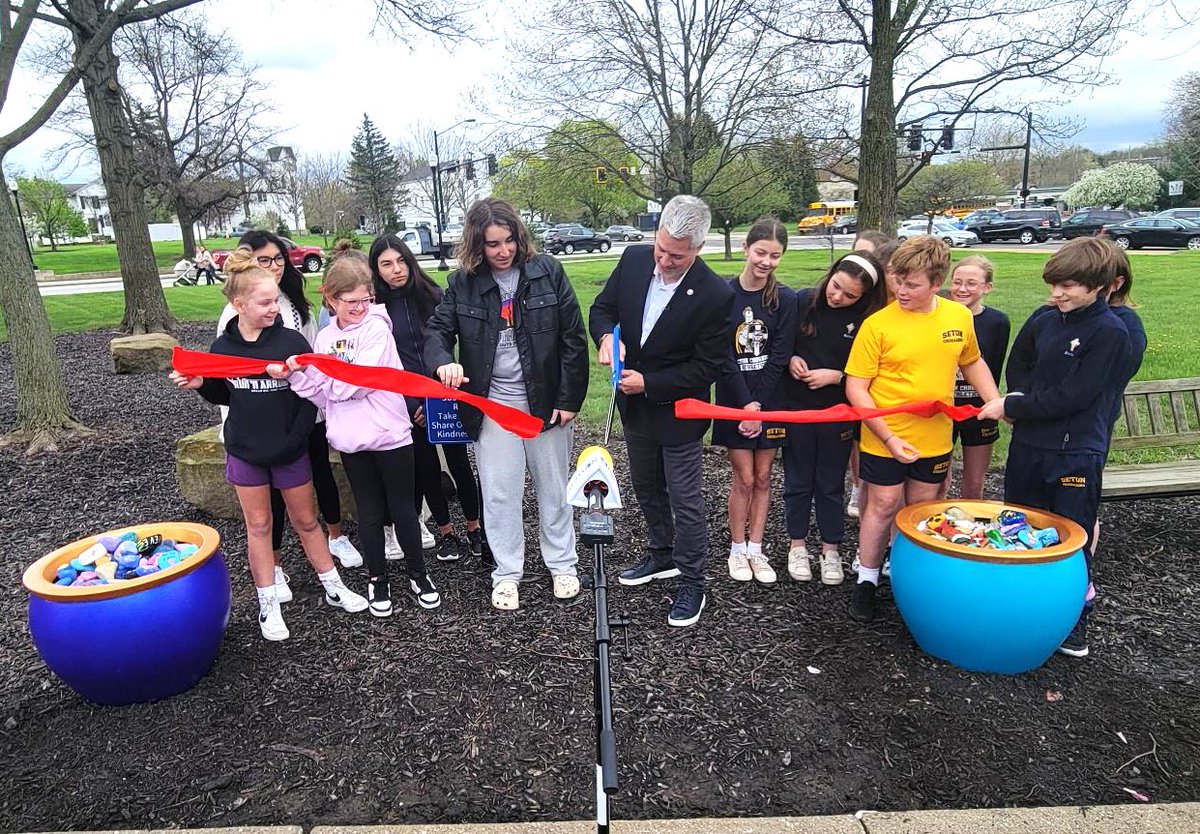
(1157, 414)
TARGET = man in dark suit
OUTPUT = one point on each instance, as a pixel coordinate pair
(673, 311)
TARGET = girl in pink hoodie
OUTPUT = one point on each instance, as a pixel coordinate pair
(370, 428)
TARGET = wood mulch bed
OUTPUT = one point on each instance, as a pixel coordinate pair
(776, 703)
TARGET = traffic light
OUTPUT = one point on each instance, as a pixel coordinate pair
(470, 170)
(601, 175)
(914, 138)
(948, 137)
(491, 164)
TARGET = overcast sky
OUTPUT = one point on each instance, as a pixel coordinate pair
(326, 69)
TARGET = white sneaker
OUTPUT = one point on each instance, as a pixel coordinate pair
(428, 542)
(761, 568)
(345, 552)
(855, 565)
(270, 621)
(798, 564)
(852, 504)
(831, 568)
(391, 547)
(339, 596)
(739, 567)
(283, 591)
(886, 570)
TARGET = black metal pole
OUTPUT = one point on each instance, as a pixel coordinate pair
(1025, 171)
(606, 739)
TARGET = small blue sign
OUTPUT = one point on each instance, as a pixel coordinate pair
(442, 424)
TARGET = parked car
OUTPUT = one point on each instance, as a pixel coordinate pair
(978, 215)
(1170, 232)
(846, 225)
(538, 228)
(1085, 222)
(941, 228)
(549, 233)
(624, 233)
(304, 258)
(1192, 213)
(1026, 225)
(575, 238)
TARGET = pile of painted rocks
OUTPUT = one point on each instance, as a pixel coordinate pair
(1007, 530)
(121, 557)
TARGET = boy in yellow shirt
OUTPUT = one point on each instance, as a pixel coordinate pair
(907, 352)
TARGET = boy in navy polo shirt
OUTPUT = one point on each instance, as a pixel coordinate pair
(1062, 378)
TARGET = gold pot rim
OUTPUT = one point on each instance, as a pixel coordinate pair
(39, 577)
(1072, 537)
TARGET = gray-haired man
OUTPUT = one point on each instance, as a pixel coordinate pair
(673, 312)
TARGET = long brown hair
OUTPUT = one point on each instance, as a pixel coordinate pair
(873, 282)
(490, 211)
(769, 228)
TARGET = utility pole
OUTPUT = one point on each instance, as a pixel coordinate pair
(1027, 148)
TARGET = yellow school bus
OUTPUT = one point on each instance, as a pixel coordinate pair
(820, 217)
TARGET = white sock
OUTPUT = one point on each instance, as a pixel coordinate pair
(737, 549)
(831, 551)
(330, 578)
(866, 574)
(280, 577)
(754, 548)
(266, 596)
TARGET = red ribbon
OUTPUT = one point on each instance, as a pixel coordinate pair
(217, 366)
(700, 410)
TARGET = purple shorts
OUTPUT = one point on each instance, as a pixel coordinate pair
(279, 475)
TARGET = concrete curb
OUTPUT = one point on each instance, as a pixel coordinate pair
(1167, 818)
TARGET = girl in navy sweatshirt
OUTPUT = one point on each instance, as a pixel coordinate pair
(814, 460)
(266, 438)
(760, 342)
(410, 297)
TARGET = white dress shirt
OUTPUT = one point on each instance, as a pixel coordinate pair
(657, 298)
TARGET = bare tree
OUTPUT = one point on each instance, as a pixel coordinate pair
(321, 180)
(199, 118)
(675, 81)
(415, 154)
(929, 63)
(407, 18)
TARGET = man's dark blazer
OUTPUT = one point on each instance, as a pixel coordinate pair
(686, 351)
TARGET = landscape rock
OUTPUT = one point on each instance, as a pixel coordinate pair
(147, 353)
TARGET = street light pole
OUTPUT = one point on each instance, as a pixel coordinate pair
(1025, 170)
(439, 203)
(24, 232)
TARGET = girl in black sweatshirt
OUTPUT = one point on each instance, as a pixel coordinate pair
(410, 297)
(266, 438)
(814, 460)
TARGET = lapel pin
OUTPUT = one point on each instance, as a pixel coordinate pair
(690, 292)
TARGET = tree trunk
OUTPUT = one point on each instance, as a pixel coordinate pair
(42, 407)
(145, 305)
(187, 226)
(877, 158)
(728, 243)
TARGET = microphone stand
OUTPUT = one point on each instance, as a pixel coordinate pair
(596, 529)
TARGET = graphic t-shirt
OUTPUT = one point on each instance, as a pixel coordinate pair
(508, 383)
(913, 357)
(760, 348)
(991, 332)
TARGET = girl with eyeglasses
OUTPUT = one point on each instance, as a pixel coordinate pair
(270, 253)
(970, 283)
(369, 427)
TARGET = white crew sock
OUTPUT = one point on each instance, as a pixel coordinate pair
(754, 548)
(737, 549)
(866, 574)
(267, 595)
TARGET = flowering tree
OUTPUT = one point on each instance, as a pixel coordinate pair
(1130, 184)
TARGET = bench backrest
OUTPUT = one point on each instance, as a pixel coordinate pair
(1159, 413)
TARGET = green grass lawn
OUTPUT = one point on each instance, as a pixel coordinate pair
(1166, 287)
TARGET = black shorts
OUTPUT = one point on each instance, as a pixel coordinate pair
(725, 433)
(976, 432)
(887, 471)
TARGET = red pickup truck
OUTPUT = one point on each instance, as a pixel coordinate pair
(304, 258)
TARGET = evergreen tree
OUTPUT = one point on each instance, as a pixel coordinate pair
(374, 174)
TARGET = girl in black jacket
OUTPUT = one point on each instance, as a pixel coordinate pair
(410, 297)
(266, 438)
(521, 342)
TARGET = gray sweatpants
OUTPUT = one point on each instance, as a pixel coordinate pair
(502, 459)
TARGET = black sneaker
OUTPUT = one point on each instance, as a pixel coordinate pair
(689, 602)
(379, 597)
(651, 567)
(1076, 644)
(423, 591)
(450, 548)
(475, 543)
(862, 602)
